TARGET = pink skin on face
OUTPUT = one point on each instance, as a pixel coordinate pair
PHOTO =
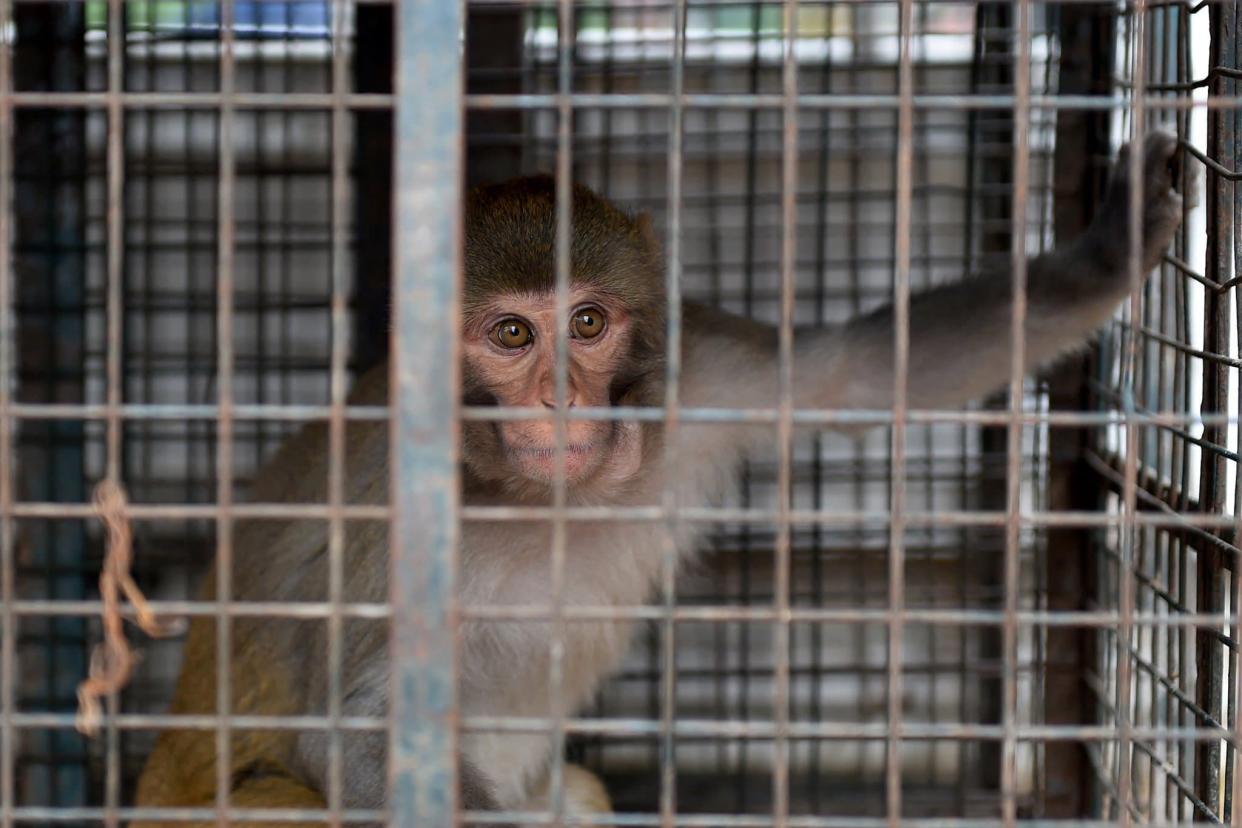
(525, 377)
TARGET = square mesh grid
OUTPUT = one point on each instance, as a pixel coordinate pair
(200, 218)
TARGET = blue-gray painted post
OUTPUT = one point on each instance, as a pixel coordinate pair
(424, 397)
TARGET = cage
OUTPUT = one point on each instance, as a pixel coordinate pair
(217, 214)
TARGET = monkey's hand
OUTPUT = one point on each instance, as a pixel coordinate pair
(1167, 185)
(584, 793)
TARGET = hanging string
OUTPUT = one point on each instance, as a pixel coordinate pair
(112, 661)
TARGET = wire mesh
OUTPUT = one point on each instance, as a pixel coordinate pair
(1152, 360)
(1025, 610)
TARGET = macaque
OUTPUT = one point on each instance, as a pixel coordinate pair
(959, 349)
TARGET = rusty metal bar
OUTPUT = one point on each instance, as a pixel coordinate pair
(226, 271)
(684, 728)
(1222, 172)
(1128, 532)
(1234, 794)
(338, 393)
(192, 100)
(1013, 449)
(638, 612)
(672, 415)
(741, 100)
(176, 412)
(424, 398)
(114, 312)
(527, 514)
(278, 816)
(759, 100)
(801, 416)
(784, 425)
(616, 100)
(8, 380)
(901, 367)
(566, 38)
(1209, 660)
(1233, 781)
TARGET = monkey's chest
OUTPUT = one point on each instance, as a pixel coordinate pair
(505, 662)
(506, 666)
(517, 680)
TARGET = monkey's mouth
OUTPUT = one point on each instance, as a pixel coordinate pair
(539, 461)
(549, 452)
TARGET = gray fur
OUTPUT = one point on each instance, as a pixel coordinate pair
(959, 349)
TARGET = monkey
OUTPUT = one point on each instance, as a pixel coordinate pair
(959, 349)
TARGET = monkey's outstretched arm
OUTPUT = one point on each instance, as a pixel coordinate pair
(960, 334)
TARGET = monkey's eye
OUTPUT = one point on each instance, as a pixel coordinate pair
(512, 333)
(588, 323)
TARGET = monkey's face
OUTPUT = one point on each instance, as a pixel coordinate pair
(615, 324)
(510, 353)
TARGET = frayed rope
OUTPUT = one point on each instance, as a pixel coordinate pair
(113, 661)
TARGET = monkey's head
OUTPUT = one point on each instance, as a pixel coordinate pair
(615, 324)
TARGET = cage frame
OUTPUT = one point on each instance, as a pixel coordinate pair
(424, 424)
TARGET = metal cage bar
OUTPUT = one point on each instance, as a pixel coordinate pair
(424, 435)
(8, 567)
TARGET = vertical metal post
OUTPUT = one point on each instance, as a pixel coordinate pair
(901, 367)
(1128, 532)
(424, 400)
(565, 42)
(1209, 661)
(8, 618)
(1013, 457)
(672, 397)
(226, 233)
(784, 425)
(114, 358)
(338, 396)
(1231, 55)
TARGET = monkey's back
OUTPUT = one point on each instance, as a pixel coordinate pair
(271, 674)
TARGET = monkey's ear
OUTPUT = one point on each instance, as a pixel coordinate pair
(646, 229)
